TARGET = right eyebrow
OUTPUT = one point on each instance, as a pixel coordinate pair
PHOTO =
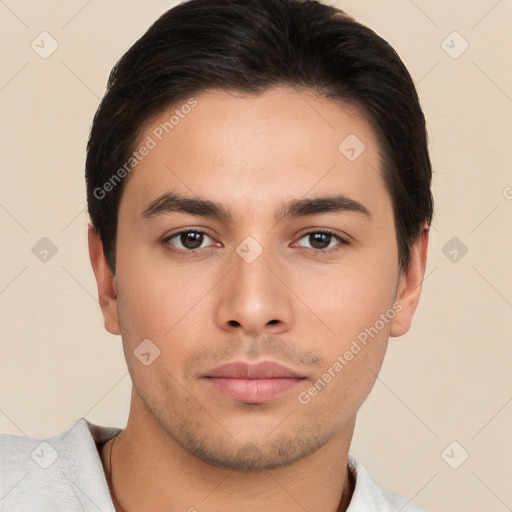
(172, 202)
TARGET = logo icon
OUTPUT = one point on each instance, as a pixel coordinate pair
(352, 147)
(454, 455)
(454, 45)
(146, 352)
(44, 455)
(454, 249)
(44, 250)
(249, 249)
(44, 45)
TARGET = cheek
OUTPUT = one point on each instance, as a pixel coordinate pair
(161, 301)
(159, 309)
(155, 301)
(358, 312)
(348, 298)
(355, 303)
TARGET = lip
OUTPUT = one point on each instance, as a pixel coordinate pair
(261, 370)
(253, 383)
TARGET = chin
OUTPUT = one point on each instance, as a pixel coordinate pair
(254, 455)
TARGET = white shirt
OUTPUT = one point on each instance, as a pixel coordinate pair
(65, 474)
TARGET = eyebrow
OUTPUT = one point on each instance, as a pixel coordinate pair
(173, 202)
(317, 205)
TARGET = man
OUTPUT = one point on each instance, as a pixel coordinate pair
(259, 189)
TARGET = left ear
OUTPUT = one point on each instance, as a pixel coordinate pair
(409, 287)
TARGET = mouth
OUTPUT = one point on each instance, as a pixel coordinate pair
(253, 383)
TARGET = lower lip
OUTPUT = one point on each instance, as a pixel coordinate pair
(253, 390)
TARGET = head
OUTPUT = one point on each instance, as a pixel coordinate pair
(258, 183)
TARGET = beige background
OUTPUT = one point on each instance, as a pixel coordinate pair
(448, 380)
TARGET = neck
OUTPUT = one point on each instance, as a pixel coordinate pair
(151, 471)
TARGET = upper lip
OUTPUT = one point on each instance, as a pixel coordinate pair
(261, 370)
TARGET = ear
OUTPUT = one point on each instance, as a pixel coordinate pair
(409, 286)
(105, 280)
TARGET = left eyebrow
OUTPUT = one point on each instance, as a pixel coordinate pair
(318, 205)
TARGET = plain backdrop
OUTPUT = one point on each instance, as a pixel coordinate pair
(445, 391)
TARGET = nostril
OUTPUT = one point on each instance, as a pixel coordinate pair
(233, 323)
(273, 322)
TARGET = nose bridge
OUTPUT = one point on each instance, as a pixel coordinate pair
(252, 298)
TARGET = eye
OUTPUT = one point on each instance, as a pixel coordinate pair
(320, 240)
(189, 240)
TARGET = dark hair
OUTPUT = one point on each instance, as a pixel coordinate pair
(250, 46)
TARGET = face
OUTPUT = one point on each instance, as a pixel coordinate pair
(256, 251)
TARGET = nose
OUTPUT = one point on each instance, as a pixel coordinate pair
(253, 300)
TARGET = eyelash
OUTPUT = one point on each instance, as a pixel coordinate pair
(191, 252)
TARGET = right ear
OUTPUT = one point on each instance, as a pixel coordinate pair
(105, 280)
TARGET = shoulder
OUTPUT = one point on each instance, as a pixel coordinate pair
(369, 497)
(50, 474)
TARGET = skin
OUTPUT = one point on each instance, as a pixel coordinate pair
(186, 445)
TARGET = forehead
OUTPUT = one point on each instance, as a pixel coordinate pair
(277, 145)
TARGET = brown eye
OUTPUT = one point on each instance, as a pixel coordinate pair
(191, 239)
(320, 240)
